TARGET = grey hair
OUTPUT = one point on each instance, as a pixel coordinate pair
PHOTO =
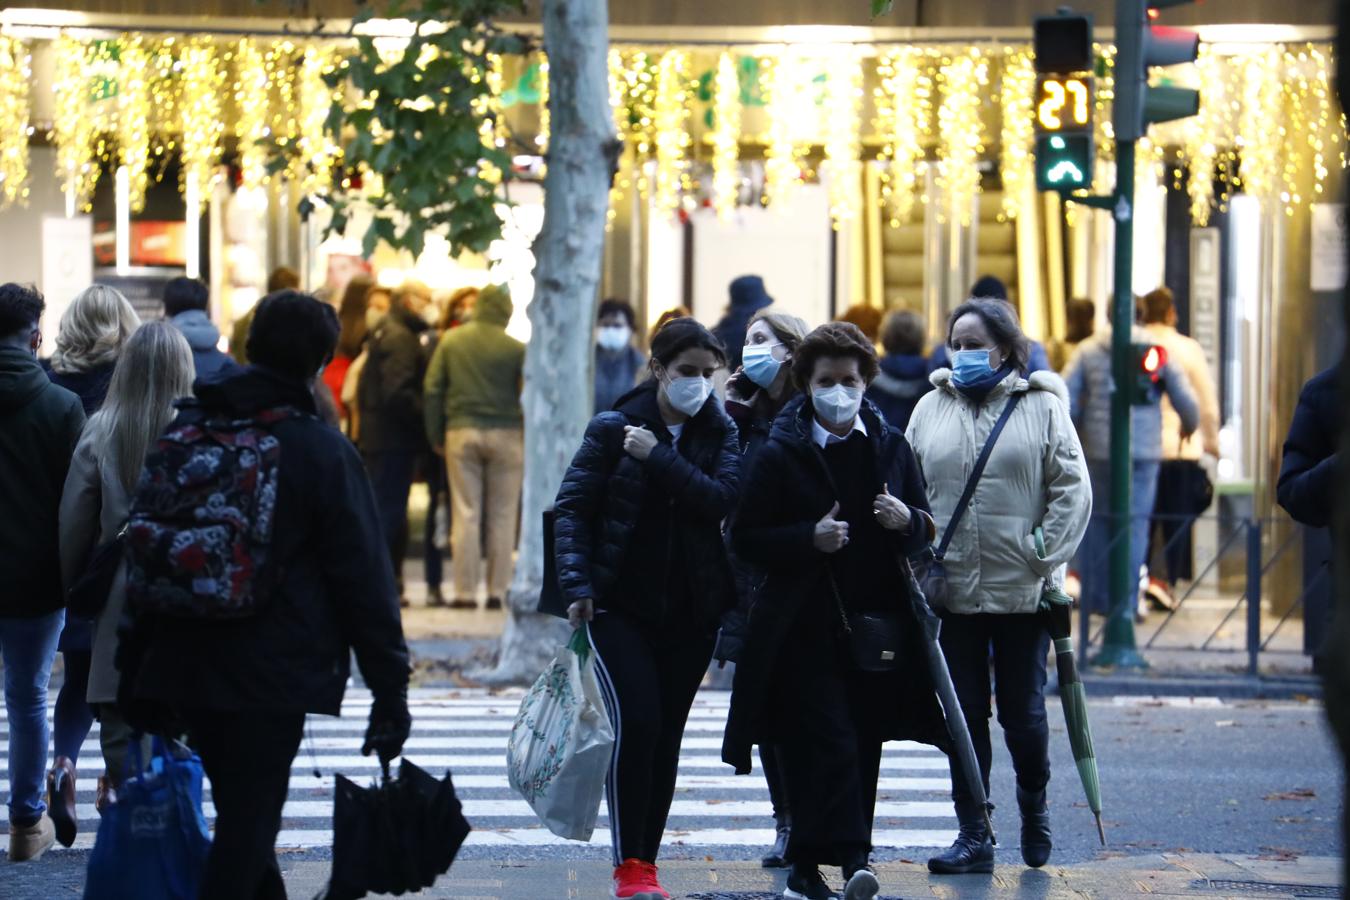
(154, 370)
(93, 329)
(1000, 319)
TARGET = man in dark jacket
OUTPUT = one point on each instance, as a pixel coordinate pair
(748, 296)
(243, 687)
(40, 425)
(1307, 491)
(904, 369)
(389, 401)
(185, 304)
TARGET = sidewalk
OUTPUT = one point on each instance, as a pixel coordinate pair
(1168, 875)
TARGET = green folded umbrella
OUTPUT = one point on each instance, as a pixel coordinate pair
(1057, 610)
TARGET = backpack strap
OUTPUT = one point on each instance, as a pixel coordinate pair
(975, 474)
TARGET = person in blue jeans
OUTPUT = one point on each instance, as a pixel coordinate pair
(1088, 376)
(40, 425)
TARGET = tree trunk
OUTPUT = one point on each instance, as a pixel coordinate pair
(568, 255)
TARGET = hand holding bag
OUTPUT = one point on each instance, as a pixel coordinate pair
(929, 565)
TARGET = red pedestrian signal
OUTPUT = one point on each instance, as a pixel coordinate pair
(1150, 360)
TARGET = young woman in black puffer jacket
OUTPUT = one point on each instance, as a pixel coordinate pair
(640, 556)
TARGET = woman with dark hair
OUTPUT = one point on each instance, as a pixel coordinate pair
(352, 338)
(640, 558)
(618, 364)
(1035, 479)
(833, 666)
(756, 394)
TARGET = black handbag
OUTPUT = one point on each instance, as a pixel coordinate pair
(874, 639)
(929, 567)
(89, 594)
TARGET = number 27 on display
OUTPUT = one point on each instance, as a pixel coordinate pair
(1064, 104)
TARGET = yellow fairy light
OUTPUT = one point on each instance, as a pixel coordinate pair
(1258, 140)
(1204, 135)
(1016, 146)
(792, 120)
(488, 106)
(318, 153)
(16, 76)
(1105, 134)
(73, 124)
(904, 113)
(279, 62)
(203, 127)
(963, 80)
(545, 117)
(672, 132)
(843, 143)
(251, 125)
(134, 109)
(726, 136)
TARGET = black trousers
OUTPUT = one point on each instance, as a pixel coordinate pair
(1175, 513)
(1019, 645)
(648, 678)
(770, 760)
(247, 756)
(391, 478)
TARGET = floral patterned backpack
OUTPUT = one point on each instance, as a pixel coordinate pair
(200, 530)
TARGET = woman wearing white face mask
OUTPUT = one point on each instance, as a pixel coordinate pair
(640, 557)
(618, 364)
(1034, 477)
(833, 665)
(756, 394)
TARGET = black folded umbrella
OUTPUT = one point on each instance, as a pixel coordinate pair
(396, 836)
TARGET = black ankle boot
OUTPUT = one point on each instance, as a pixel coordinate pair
(973, 852)
(776, 858)
(1035, 827)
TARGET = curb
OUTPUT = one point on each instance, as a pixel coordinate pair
(1227, 687)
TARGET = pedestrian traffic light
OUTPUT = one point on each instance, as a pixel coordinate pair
(1140, 46)
(1064, 102)
(1150, 360)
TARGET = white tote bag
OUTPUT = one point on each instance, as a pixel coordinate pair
(559, 752)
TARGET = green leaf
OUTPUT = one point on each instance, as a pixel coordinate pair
(881, 7)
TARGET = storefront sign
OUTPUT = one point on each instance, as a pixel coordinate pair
(67, 267)
(1328, 246)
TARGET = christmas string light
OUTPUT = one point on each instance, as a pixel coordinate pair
(545, 117)
(134, 109)
(726, 136)
(791, 111)
(843, 143)
(672, 132)
(318, 153)
(1017, 144)
(73, 123)
(904, 114)
(16, 74)
(963, 81)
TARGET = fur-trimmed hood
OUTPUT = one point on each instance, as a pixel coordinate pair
(1013, 384)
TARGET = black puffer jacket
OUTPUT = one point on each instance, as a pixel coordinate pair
(787, 492)
(336, 593)
(644, 538)
(389, 393)
(1307, 485)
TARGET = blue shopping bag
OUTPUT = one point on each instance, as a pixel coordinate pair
(152, 843)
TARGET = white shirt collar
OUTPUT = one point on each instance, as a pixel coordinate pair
(823, 438)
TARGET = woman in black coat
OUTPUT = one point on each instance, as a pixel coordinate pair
(832, 506)
(639, 552)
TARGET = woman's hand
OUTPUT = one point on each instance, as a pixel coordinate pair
(831, 535)
(638, 442)
(891, 513)
(581, 611)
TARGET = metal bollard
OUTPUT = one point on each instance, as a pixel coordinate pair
(1253, 596)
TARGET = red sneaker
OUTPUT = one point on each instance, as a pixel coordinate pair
(636, 880)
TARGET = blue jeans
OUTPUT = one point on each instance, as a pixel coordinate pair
(1094, 568)
(28, 647)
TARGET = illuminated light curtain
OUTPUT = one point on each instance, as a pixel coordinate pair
(16, 77)
(1017, 163)
(251, 127)
(280, 63)
(843, 142)
(73, 124)
(1327, 139)
(672, 127)
(318, 154)
(1104, 129)
(726, 136)
(1258, 139)
(791, 109)
(134, 112)
(202, 122)
(904, 116)
(1204, 135)
(489, 107)
(963, 81)
(545, 120)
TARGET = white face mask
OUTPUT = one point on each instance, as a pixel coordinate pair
(688, 394)
(613, 337)
(837, 405)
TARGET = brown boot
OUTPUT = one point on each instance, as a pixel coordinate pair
(30, 842)
(61, 800)
(105, 796)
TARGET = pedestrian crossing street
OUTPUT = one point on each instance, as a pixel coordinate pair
(465, 732)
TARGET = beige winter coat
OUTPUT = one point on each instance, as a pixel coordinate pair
(94, 507)
(1036, 475)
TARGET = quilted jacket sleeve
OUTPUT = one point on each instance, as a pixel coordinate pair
(710, 496)
(1307, 485)
(765, 531)
(578, 503)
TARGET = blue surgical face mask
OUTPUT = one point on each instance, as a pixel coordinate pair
(837, 405)
(759, 364)
(970, 366)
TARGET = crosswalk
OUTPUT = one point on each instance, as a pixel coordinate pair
(465, 731)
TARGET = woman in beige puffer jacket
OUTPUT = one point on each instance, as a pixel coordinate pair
(1036, 477)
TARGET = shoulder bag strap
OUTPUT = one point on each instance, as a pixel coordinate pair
(975, 474)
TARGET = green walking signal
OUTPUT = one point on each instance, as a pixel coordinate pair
(1064, 101)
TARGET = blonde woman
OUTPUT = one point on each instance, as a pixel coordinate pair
(93, 330)
(155, 369)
